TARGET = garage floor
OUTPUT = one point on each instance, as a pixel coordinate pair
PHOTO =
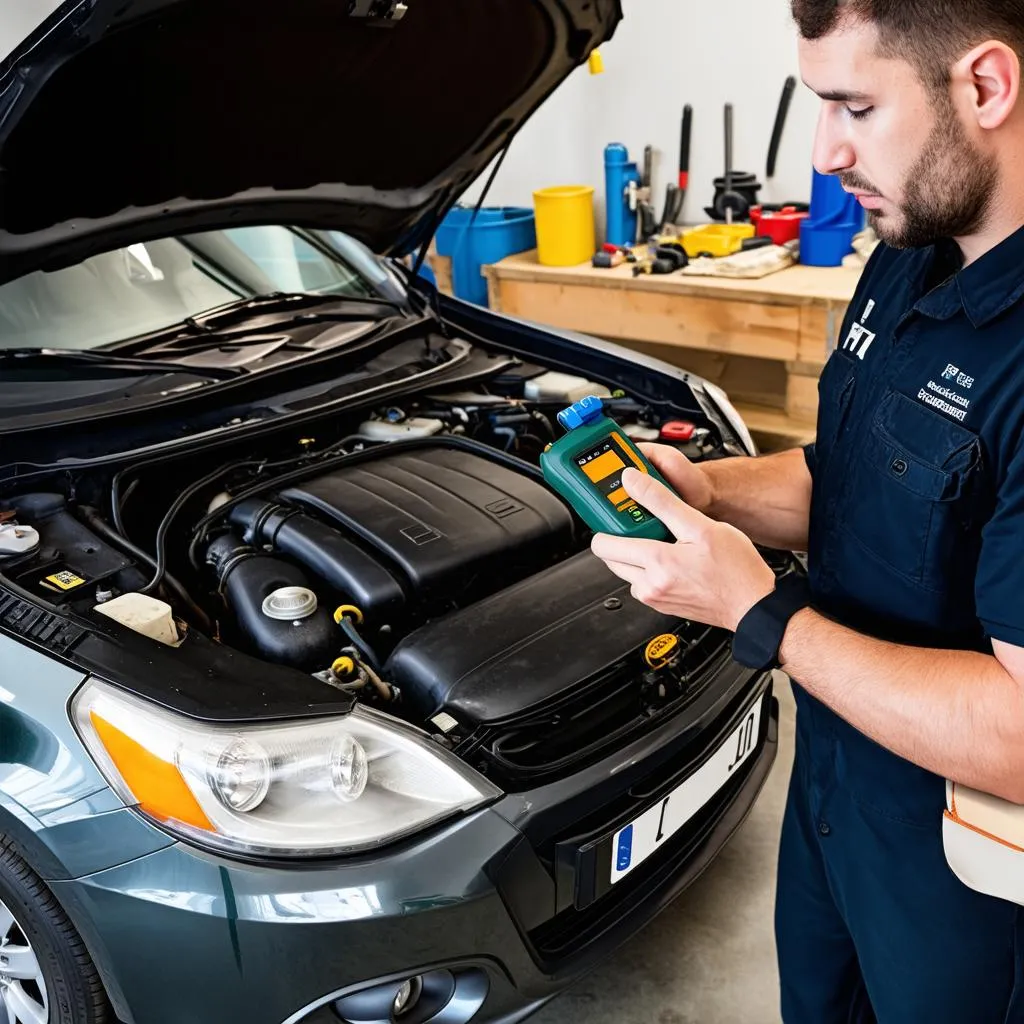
(709, 959)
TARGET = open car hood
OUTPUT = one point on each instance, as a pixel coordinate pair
(123, 120)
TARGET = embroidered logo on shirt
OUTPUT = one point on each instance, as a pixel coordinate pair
(952, 373)
(860, 339)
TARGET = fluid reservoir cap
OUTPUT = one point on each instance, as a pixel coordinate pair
(289, 603)
(16, 539)
(678, 430)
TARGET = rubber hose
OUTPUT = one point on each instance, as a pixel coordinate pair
(359, 643)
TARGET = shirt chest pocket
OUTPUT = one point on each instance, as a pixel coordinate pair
(835, 395)
(914, 493)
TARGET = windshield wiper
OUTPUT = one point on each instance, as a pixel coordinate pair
(299, 304)
(28, 357)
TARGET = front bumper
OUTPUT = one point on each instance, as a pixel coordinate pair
(504, 900)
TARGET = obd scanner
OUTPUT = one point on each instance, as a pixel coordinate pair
(585, 467)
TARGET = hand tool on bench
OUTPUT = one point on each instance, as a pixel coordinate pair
(675, 195)
(780, 123)
(731, 205)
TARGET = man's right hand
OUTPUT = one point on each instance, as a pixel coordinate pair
(687, 479)
(768, 498)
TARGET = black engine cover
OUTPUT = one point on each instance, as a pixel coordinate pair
(450, 522)
(501, 658)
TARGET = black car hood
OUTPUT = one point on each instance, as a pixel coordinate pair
(122, 120)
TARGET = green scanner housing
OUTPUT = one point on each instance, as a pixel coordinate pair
(586, 465)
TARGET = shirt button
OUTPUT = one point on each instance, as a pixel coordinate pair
(824, 828)
(899, 466)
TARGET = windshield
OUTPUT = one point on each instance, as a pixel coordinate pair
(151, 286)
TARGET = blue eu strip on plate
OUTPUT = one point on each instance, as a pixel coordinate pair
(625, 852)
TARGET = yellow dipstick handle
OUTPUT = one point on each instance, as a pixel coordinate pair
(348, 611)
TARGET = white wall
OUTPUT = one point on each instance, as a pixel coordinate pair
(667, 53)
(20, 18)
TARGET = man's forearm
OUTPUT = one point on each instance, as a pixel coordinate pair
(958, 714)
(768, 498)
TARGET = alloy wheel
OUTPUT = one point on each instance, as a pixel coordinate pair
(23, 998)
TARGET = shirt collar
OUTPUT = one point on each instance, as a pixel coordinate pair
(994, 282)
(938, 263)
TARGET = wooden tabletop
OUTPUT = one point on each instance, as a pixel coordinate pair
(796, 285)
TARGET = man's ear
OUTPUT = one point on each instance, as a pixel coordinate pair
(990, 77)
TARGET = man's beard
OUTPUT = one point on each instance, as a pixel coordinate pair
(948, 192)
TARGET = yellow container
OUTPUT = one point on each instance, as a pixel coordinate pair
(717, 239)
(565, 225)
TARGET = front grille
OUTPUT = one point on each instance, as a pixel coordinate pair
(601, 715)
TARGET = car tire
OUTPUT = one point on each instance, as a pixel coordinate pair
(32, 922)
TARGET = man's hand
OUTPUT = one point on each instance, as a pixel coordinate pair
(689, 481)
(712, 574)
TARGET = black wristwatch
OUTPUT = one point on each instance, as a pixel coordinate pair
(759, 635)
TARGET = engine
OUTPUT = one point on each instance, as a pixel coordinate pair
(392, 540)
(460, 586)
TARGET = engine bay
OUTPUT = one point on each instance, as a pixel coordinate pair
(412, 558)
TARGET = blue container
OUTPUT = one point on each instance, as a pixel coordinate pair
(619, 171)
(826, 236)
(471, 244)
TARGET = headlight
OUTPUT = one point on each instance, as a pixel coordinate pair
(322, 786)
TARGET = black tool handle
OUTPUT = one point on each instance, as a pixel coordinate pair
(684, 147)
(648, 225)
(780, 122)
(728, 147)
(669, 214)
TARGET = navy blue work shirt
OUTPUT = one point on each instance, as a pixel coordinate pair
(917, 515)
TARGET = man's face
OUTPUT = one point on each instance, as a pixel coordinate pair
(896, 144)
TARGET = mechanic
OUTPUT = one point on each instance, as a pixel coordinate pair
(907, 647)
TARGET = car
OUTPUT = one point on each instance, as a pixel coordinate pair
(315, 705)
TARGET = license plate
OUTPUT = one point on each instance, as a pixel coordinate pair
(636, 842)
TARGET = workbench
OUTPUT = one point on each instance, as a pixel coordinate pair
(764, 341)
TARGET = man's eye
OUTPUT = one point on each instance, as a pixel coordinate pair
(859, 115)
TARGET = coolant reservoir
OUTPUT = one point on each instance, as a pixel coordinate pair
(562, 387)
(144, 614)
(415, 426)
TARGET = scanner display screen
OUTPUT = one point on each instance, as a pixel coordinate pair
(603, 465)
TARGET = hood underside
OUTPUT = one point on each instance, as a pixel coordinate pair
(122, 120)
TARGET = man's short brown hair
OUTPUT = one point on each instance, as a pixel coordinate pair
(930, 34)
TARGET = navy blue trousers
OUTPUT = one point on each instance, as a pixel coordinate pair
(871, 924)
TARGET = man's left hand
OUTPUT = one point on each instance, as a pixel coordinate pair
(711, 574)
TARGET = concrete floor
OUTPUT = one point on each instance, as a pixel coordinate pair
(710, 958)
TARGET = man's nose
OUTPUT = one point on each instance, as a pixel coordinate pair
(833, 152)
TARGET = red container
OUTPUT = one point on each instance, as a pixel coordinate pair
(780, 226)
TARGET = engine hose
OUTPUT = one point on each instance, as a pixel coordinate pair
(165, 523)
(199, 532)
(506, 432)
(119, 500)
(343, 619)
(382, 688)
(97, 524)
